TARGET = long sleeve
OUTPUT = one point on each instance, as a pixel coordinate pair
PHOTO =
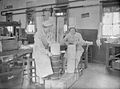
(69, 39)
(79, 39)
(40, 44)
(66, 39)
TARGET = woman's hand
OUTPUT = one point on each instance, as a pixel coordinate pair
(49, 54)
(89, 43)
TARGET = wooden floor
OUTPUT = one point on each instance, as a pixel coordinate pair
(97, 77)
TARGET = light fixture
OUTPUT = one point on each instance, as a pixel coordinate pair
(59, 14)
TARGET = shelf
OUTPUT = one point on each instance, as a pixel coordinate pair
(112, 54)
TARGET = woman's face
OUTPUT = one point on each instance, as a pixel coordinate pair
(72, 31)
(47, 29)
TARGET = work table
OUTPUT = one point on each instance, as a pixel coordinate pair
(19, 71)
(20, 51)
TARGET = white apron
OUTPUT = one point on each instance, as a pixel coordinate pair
(79, 53)
(71, 55)
(43, 64)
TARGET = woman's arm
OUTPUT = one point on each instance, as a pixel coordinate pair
(79, 39)
(66, 39)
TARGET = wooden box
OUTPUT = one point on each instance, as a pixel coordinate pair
(65, 82)
(9, 44)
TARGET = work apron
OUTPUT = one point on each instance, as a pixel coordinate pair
(71, 55)
(43, 65)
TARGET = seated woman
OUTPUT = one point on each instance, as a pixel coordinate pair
(74, 41)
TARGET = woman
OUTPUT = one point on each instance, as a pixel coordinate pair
(40, 53)
(74, 41)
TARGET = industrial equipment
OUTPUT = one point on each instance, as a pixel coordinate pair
(9, 35)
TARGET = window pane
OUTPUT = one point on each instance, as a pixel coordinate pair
(116, 17)
(116, 29)
(107, 30)
(106, 10)
(107, 18)
(30, 29)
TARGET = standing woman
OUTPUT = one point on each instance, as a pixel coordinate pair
(40, 51)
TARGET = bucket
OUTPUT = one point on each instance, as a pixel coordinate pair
(56, 64)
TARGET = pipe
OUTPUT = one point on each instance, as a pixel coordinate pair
(54, 10)
(25, 12)
(62, 8)
(41, 6)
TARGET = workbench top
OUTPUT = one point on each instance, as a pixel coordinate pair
(20, 51)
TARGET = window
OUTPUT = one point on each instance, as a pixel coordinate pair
(10, 29)
(111, 22)
(30, 28)
(30, 18)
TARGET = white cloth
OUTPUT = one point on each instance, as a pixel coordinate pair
(73, 58)
(43, 64)
(78, 56)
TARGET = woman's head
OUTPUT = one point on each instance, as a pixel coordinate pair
(48, 24)
(72, 30)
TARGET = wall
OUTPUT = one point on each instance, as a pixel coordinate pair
(91, 22)
(1, 5)
(15, 4)
(20, 4)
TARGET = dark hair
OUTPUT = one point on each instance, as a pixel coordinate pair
(72, 28)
